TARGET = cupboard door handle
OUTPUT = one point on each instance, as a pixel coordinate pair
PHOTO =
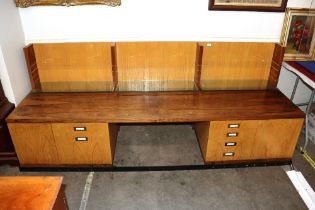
(233, 125)
(232, 134)
(79, 128)
(81, 138)
(230, 144)
(228, 154)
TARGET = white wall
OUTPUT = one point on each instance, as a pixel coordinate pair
(148, 20)
(5, 79)
(13, 70)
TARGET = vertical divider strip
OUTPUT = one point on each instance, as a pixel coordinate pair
(198, 64)
(114, 66)
(276, 65)
(32, 68)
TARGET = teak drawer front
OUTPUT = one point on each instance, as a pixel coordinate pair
(231, 131)
(34, 143)
(256, 139)
(91, 146)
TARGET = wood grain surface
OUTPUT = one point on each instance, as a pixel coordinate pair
(155, 61)
(236, 65)
(256, 139)
(29, 193)
(276, 65)
(96, 150)
(34, 143)
(135, 107)
(72, 66)
(32, 67)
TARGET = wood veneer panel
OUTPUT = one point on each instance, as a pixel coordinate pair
(154, 107)
(96, 150)
(276, 66)
(34, 143)
(236, 66)
(113, 134)
(276, 138)
(32, 67)
(256, 139)
(163, 62)
(29, 192)
(202, 132)
(74, 66)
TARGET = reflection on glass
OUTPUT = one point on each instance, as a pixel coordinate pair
(100, 86)
(153, 85)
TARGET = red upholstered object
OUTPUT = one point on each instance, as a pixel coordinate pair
(302, 70)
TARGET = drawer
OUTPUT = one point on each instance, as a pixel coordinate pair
(75, 131)
(224, 150)
(231, 130)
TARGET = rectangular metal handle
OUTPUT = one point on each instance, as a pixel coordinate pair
(228, 154)
(230, 144)
(81, 138)
(79, 128)
(232, 134)
(233, 125)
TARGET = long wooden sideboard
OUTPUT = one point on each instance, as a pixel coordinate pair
(51, 129)
(82, 92)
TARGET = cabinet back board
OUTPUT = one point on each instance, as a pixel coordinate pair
(234, 66)
(152, 66)
(74, 66)
(157, 65)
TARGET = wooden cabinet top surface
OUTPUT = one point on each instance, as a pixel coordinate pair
(149, 107)
(30, 192)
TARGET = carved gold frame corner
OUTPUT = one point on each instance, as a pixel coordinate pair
(29, 3)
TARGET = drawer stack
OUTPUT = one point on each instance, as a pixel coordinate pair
(228, 137)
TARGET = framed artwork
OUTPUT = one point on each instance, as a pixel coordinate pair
(29, 3)
(298, 34)
(249, 5)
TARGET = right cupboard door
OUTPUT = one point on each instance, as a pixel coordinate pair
(276, 139)
(251, 140)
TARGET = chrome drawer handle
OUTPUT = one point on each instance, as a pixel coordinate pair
(79, 128)
(228, 154)
(81, 138)
(230, 144)
(233, 125)
(232, 134)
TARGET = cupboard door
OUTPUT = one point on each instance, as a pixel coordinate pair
(34, 143)
(87, 143)
(276, 139)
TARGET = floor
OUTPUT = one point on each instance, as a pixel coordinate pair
(241, 188)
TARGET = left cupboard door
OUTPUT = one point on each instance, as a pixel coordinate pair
(34, 143)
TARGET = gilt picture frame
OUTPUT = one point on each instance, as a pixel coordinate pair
(29, 3)
(249, 5)
(298, 34)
